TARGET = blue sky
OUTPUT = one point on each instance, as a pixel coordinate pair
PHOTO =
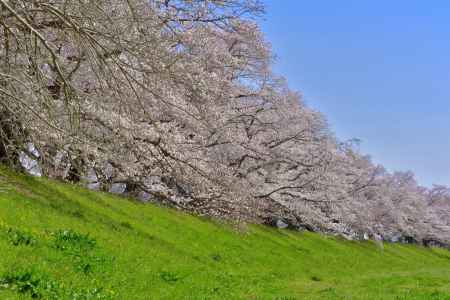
(379, 71)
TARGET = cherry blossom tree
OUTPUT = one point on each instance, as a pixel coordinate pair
(132, 90)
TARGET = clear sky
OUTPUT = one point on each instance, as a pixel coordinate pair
(379, 71)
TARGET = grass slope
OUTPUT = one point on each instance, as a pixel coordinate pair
(60, 241)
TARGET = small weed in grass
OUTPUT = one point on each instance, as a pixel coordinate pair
(216, 257)
(32, 283)
(89, 263)
(23, 282)
(169, 277)
(81, 249)
(126, 225)
(78, 214)
(92, 293)
(37, 285)
(73, 241)
(84, 266)
(18, 237)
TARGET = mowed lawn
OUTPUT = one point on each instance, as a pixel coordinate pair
(61, 241)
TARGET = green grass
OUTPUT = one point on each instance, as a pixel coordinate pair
(60, 241)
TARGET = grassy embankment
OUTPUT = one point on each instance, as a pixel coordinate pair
(60, 241)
